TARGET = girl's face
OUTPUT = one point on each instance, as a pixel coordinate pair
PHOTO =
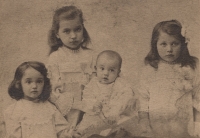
(32, 84)
(168, 47)
(71, 32)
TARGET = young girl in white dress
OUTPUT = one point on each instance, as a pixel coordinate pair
(169, 84)
(33, 116)
(70, 61)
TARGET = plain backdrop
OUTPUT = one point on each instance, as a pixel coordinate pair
(121, 25)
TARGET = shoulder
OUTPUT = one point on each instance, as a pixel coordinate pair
(56, 53)
(55, 56)
(14, 111)
(92, 82)
(50, 106)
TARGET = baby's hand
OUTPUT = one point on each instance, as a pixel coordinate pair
(110, 120)
(97, 107)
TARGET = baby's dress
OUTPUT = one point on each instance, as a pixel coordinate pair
(27, 119)
(114, 98)
(69, 71)
(167, 94)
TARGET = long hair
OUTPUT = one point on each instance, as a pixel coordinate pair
(67, 13)
(173, 28)
(15, 88)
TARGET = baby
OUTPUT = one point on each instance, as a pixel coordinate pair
(107, 96)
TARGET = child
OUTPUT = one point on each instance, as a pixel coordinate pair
(106, 96)
(70, 61)
(32, 116)
(168, 83)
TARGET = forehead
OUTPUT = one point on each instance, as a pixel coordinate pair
(70, 22)
(32, 73)
(166, 37)
(107, 60)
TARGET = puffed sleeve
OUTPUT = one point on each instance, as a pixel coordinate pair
(52, 66)
(123, 93)
(196, 90)
(13, 126)
(89, 98)
(142, 89)
(61, 125)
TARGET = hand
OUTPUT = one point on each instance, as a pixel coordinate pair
(111, 120)
(97, 107)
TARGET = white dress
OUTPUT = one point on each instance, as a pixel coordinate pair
(27, 119)
(70, 71)
(168, 95)
(114, 98)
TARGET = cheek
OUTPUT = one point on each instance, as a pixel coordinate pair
(177, 51)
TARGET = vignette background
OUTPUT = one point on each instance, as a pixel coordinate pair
(121, 25)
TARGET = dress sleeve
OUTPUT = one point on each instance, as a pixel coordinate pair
(124, 97)
(13, 127)
(196, 90)
(89, 98)
(61, 125)
(53, 68)
(143, 92)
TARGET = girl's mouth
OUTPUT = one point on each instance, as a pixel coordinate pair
(170, 55)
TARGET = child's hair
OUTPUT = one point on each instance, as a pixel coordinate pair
(15, 89)
(173, 28)
(111, 54)
(67, 13)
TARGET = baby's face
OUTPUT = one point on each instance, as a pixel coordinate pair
(107, 69)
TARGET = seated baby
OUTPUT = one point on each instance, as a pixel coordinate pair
(107, 96)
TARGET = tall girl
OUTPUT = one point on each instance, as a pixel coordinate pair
(32, 116)
(169, 83)
(70, 61)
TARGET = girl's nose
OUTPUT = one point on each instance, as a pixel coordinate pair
(34, 85)
(73, 34)
(169, 48)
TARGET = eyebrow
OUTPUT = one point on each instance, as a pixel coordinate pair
(31, 78)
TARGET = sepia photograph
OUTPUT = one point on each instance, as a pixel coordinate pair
(99, 69)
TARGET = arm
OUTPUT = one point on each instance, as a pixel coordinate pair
(13, 127)
(196, 105)
(89, 98)
(61, 125)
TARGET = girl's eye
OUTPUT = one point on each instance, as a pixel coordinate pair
(29, 82)
(102, 68)
(67, 31)
(40, 81)
(78, 29)
(175, 44)
(112, 70)
(163, 44)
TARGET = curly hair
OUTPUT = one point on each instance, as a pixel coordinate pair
(173, 28)
(15, 88)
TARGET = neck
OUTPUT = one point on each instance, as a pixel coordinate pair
(168, 62)
(32, 100)
(74, 50)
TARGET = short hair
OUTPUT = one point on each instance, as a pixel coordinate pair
(173, 28)
(15, 88)
(67, 13)
(111, 54)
